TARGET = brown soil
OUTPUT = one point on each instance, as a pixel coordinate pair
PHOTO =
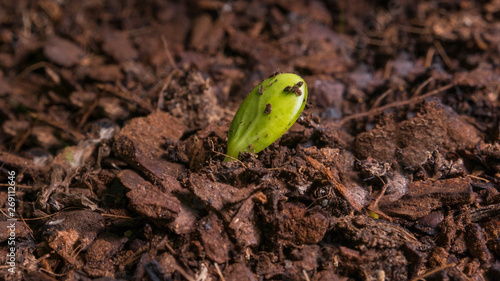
(114, 116)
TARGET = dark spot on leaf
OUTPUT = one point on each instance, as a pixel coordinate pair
(300, 83)
(261, 90)
(250, 146)
(294, 89)
(276, 72)
(268, 108)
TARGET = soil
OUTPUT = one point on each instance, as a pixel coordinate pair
(114, 118)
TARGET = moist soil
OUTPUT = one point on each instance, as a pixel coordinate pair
(114, 118)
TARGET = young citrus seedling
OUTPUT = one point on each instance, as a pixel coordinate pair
(266, 114)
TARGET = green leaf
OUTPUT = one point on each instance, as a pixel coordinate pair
(266, 114)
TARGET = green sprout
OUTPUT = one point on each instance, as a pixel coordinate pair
(266, 114)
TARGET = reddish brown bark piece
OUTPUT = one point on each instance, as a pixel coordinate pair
(240, 272)
(425, 196)
(185, 220)
(118, 46)
(130, 97)
(437, 125)
(214, 239)
(438, 257)
(149, 133)
(104, 247)
(20, 230)
(69, 232)
(306, 257)
(300, 226)
(62, 51)
(268, 266)
(201, 27)
(366, 231)
(319, 63)
(243, 225)
(215, 194)
(20, 164)
(153, 204)
(483, 76)
(106, 73)
(141, 143)
(147, 199)
(476, 243)
(329, 94)
(325, 275)
(157, 170)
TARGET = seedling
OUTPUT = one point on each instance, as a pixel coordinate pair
(266, 114)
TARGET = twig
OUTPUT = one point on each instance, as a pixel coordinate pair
(89, 111)
(339, 188)
(183, 272)
(388, 69)
(9, 217)
(161, 97)
(44, 257)
(412, 29)
(164, 243)
(379, 99)
(124, 94)
(429, 273)
(176, 265)
(27, 226)
(219, 272)
(421, 87)
(52, 273)
(443, 54)
(384, 189)
(167, 52)
(429, 56)
(234, 158)
(374, 205)
(76, 251)
(306, 275)
(49, 121)
(134, 257)
(140, 31)
(43, 217)
(31, 68)
(203, 274)
(17, 185)
(116, 216)
(478, 178)
(395, 104)
(24, 137)
(489, 211)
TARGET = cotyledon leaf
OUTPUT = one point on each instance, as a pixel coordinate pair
(266, 114)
